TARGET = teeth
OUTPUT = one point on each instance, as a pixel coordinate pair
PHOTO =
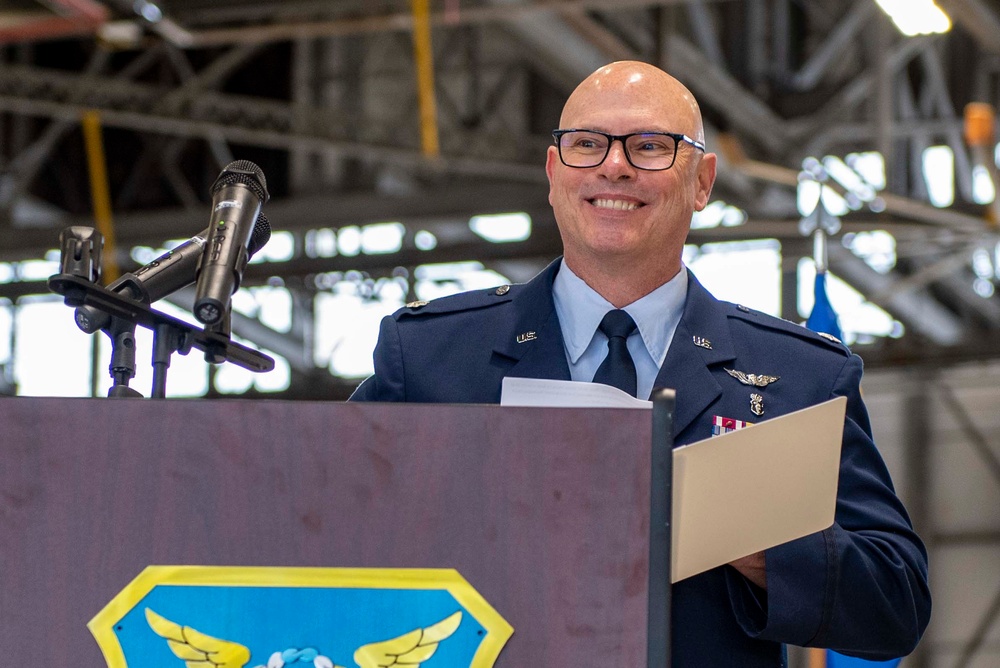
(618, 204)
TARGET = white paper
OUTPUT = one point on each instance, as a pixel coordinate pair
(565, 394)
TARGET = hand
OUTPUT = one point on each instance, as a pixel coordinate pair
(753, 568)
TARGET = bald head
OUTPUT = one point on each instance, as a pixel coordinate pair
(630, 84)
(623, 226)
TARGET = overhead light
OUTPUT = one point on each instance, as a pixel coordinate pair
(870, 165)
(850, 179)
(147, 10)
(916, 17)
(425, 240)
(718, 213)
(939, 173)
(983, 190)
(502, 227)
(380, 238)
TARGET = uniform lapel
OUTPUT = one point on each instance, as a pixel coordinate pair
(686, 367)
(532, 339)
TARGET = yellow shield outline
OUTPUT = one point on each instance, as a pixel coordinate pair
(498, 630)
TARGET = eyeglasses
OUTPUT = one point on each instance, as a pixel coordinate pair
(652, 151)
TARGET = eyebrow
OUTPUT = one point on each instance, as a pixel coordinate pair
(629, 132)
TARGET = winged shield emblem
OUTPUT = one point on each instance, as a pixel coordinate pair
(199, 650)
(281, 617)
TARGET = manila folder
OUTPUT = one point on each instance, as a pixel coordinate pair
(755, 488)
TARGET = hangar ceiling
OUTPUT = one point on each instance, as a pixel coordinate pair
(324, 97)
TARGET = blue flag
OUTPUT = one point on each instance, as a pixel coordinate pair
(823, 318)
(834, 660)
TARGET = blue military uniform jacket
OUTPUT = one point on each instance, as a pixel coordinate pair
(859, 587)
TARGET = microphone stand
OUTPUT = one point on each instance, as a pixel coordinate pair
(127, 305)
(122, 367)
(170, 334)
(80, 250)
(167, 340)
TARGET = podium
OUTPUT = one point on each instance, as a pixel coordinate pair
(545, 512)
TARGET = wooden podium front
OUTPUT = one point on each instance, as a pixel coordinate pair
(545, 512)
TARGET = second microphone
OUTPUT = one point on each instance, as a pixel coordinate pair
(237, 197)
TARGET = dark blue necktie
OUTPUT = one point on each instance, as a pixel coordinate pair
(617, 369)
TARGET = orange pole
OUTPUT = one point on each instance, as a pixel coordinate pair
(100, 192)
(980, 135)
(423, 55)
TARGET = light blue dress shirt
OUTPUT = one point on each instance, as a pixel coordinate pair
(580, 310)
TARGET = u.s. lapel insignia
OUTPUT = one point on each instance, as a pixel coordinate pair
(702, 342)
(527, 336)
(752, 379)
(756, 404)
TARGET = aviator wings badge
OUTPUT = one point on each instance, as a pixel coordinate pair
(752, 379)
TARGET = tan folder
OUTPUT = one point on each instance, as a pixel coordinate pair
(755, 488)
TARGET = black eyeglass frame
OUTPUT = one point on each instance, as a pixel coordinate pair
(677, 137)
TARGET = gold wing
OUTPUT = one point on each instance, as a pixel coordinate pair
(195, 648)
(409, 649)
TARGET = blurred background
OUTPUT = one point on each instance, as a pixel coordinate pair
(403, 145)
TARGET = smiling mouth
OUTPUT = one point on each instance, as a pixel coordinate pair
(616, 204)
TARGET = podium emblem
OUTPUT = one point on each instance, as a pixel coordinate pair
(264, 617)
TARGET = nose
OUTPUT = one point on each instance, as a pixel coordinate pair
(616, 165)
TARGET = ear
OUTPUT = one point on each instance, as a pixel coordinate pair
(551, 158)
(705, 180)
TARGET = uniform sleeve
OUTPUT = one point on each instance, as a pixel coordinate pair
(388, 381)
(859, 587)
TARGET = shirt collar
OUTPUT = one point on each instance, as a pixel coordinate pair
(656, 314)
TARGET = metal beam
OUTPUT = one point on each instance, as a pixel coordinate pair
(841, 37)
(26, 165)
(716, 88)
(499, 12)
(979, 19)
(918, 310)
(975, 436)
(238, 131)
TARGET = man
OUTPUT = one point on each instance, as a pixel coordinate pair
(625, 176)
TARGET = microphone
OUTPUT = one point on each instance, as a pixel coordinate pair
(175, 269)
(237, 196)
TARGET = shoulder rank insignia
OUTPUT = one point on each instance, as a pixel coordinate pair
(752, 379)
(502, 290)
(416, 304)
(829, 337)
